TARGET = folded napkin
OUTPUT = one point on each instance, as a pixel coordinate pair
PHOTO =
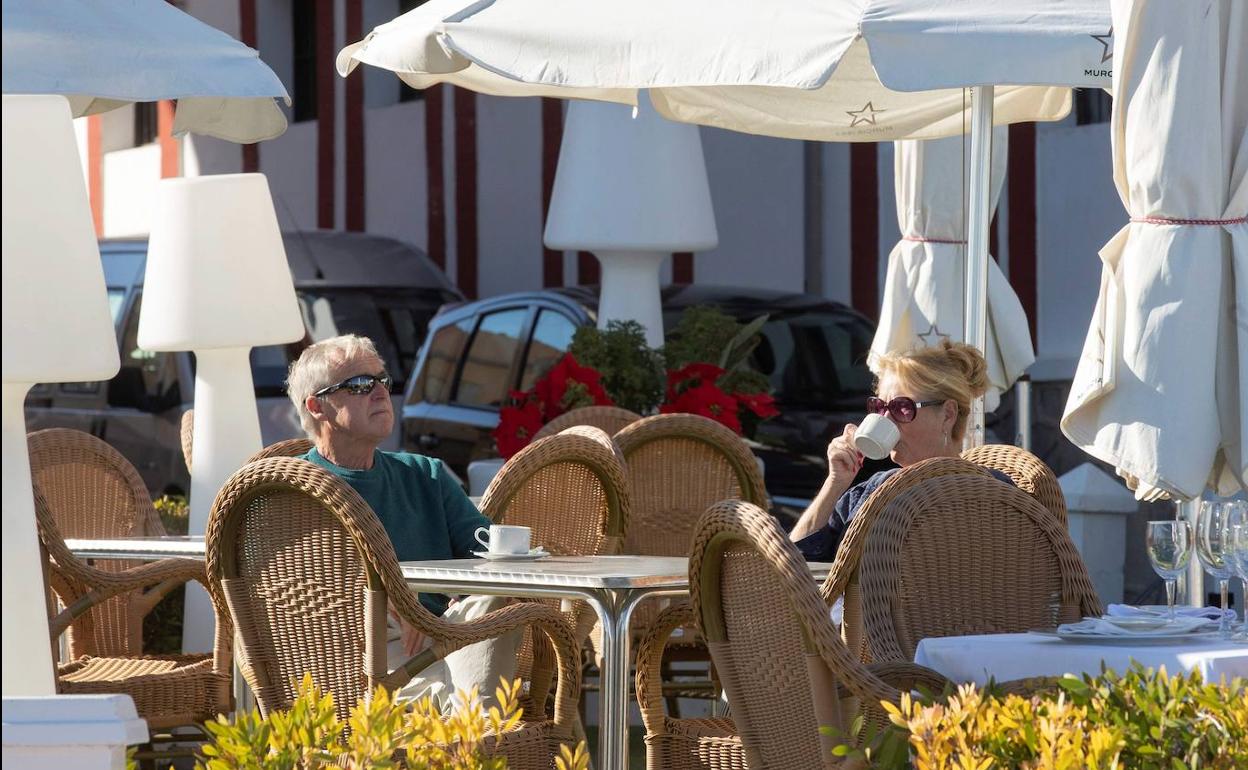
(1155, 611)
(1099, 627)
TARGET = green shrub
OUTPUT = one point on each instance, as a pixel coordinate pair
(383, 734)
(1142, 720)
(632, 372)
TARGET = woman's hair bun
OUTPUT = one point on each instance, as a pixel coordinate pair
(971, 363)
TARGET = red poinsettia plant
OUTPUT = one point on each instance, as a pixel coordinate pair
(568, 385)
(693, 389)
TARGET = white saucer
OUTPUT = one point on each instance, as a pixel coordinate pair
(536, 553)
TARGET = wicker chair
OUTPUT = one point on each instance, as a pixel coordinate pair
(186, 434)
(84, 488)
(967, 555)
(678, 465)
(1028, 472)
(610, 419)
(291, 447)
(570, 489)
(308, 573)
(786, 671)
(844, 579)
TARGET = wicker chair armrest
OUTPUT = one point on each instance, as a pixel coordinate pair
(649, 677)
(552, 623)
(160, 576)
(910, 676)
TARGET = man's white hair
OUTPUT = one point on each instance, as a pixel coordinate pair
(312, 371)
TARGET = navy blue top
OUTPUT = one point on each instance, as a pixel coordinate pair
(422, 508)
(822, 544)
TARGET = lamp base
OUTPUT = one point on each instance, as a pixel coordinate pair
(27, 656)
(630, 290)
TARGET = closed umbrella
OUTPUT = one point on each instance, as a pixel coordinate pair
(1161, 390)
(925, 285)
(102, 55)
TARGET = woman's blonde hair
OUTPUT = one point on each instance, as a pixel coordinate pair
(950, 371)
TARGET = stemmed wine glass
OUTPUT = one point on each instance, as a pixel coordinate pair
(1237, 527)
(1214, 548)
(1169, 550)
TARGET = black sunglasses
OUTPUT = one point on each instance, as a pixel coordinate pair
(901, 409)
(359, 385)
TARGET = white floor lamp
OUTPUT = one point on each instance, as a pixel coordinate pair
(218, 284)
(57, 328)
(632, 189)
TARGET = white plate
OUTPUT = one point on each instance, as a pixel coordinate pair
(536, 553)
(1142, 637)
(1136, 623)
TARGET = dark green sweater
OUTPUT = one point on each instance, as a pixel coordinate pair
(423, 509)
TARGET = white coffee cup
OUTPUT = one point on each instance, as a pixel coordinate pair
(504, 538)
(876, 436)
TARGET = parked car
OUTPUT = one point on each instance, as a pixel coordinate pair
(345, 282)
(813, 350)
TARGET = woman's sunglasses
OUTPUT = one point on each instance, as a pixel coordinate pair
(901, 409)
(359, 385)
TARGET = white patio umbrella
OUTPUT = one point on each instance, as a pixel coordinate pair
(102, 55)
(925, 284)
(1161, 391)
(857, 70)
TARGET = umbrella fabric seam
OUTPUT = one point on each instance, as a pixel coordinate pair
(1190, 222)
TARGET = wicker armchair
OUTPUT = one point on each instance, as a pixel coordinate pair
(1028, 472)
(186, 434)
(308, 573)
(85, 488)
(967, 555)
(844, 579)
(610, 419)
(678, 465)
(571, 491)
(786, 671)
(291, 447)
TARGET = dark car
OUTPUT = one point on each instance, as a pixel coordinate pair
(345, 282)
(813, 350)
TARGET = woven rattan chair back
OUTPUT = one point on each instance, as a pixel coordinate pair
(1028, 472)
(772, 642)
(570, 489)
(678, 465)
(843, 582)
(91, 491)
(963, 555)
(610, 419)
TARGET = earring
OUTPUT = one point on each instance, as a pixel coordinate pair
(946, 439)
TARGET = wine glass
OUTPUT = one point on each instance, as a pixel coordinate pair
(1237, 525)
(1213, 547)
(1169, 550)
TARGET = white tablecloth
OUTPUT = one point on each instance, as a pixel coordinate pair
(1017, 656)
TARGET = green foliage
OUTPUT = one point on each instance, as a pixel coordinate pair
(162, 627)
(707, 334)
(632, 372)
(382, 734)
(1142, 720)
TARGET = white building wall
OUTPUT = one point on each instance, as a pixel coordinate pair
(396, 183)
(509, 195)
(130, 179)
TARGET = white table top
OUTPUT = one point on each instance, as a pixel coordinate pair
(1018, 656)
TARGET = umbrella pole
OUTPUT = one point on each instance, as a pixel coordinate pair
(980, 216)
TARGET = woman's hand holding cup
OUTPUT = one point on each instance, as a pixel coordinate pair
(844, 461)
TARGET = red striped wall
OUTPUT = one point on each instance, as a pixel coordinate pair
(170, 162)
(325, 118)
(552, 138)
(1021, 177)
(435, 205)
(247, 33)
(864, 228)
(95, 175)
(354, 126)
(682, 267)
(466, 191)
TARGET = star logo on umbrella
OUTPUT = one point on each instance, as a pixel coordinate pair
(933, 336)
(865, 115)
(1107, 44)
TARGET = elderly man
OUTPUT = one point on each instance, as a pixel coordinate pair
(342, 393)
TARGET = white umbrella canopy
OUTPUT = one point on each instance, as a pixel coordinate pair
(102, 55)
(807, 69)
(1161, 391)
(924, 292)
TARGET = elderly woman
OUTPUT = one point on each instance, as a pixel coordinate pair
(927, 392)
(342, 393)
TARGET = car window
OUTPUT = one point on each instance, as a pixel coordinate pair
(439, 366)
(816, 359)
(147, 380)
(116, 303)
(552, 335)
(484, 378)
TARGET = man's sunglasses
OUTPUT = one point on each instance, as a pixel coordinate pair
(901, 409)
(359, 385)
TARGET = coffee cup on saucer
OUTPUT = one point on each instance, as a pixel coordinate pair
(876, 436)
(505, 539)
